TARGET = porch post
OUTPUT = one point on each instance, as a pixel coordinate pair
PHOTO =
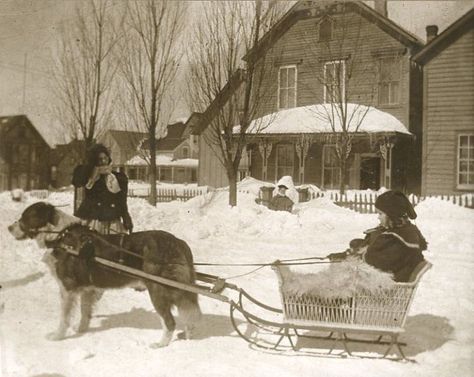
(265, 149)
(386, 151)
(302, 147)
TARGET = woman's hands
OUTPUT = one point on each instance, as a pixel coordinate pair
(96, 173)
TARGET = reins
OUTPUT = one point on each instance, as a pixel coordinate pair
(123, 251)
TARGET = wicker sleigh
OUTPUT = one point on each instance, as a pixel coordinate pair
(381, 313)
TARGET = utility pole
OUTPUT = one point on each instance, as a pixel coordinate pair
(23, 109)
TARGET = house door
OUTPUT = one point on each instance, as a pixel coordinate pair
(370, 173)
(285, 160)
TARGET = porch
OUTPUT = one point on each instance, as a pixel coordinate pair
(295, 142)
(167, 169)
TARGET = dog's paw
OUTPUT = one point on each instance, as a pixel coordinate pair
(185, 335)
(82, 328)
(159, 345)
(55, 336)
(182, 335)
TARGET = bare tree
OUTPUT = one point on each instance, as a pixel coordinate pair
(347, 80)
(83, 71)
(232, 90)
(150, 56)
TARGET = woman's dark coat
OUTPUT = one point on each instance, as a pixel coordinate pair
(99, 203)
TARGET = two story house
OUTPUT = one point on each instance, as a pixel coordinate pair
(448, 108)
(24, 155)
(326, 56)
(176, 157)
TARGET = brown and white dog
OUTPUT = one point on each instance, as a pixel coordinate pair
(154, 252)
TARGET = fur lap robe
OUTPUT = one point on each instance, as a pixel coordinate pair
(340, 280)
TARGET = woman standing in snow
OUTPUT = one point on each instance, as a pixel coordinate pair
(396, 245)
(105, 199)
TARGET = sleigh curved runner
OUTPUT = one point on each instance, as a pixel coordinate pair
(380, 314)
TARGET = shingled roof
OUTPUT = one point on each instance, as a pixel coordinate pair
(173, 138)
(7, 122)
(128, 139)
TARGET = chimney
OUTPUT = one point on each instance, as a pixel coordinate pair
(431, 32)
(381, 7)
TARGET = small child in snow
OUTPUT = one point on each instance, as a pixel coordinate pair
(281, 202)
(394, 246)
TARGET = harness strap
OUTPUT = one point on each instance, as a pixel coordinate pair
(121, 255)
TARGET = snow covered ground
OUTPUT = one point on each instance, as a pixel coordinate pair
(440, 328)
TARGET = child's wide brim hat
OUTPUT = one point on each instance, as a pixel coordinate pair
(395, 205)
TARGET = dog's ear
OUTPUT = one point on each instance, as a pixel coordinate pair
(53, 216)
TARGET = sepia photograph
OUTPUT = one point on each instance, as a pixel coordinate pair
(218, 188)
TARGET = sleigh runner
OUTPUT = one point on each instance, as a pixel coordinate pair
(381, 314)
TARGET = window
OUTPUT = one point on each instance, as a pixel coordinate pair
(465, 161)
(334, 81)
(325, 30)
(33, 156)
(185, 152)
(287, 87)
(331, 176)
(285, 160)
(389, 81)
(23, 153)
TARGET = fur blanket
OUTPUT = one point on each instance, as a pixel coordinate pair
(340, 280)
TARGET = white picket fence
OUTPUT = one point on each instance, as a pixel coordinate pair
(168, 194)
(365, 203)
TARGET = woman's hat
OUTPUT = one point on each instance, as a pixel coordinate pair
(280, 186)
(395, 205)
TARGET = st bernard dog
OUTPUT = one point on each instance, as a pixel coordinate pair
(154, 252)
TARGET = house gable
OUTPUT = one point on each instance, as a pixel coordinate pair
(19, 126)
(122, 144)
(24, 155)
(446, 38)
(316, 10)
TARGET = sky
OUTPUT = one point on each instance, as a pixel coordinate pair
(28, 30)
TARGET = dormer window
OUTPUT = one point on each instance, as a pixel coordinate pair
(185, 152)
(287, 77)
(325, 29)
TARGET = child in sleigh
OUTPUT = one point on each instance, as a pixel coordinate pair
(389, 253)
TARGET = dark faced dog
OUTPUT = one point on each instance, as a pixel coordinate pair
(71, 262)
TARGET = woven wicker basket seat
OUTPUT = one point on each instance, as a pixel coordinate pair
(380, 311)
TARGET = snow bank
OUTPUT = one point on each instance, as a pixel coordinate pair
(440, 328)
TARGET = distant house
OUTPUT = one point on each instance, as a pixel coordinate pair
(448, 108)
(176, 157)
(386, 150)
(123, 145)
(63, 159)
(24, 155)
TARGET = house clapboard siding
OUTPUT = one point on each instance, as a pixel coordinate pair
(210, 171)
(375, 53)
(448, 111)
(300, 46)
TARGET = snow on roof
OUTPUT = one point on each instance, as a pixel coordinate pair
(164, 160)
(316, 119)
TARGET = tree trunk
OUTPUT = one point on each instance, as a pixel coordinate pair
(152, 174)
(232, 177)
(342, 177)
